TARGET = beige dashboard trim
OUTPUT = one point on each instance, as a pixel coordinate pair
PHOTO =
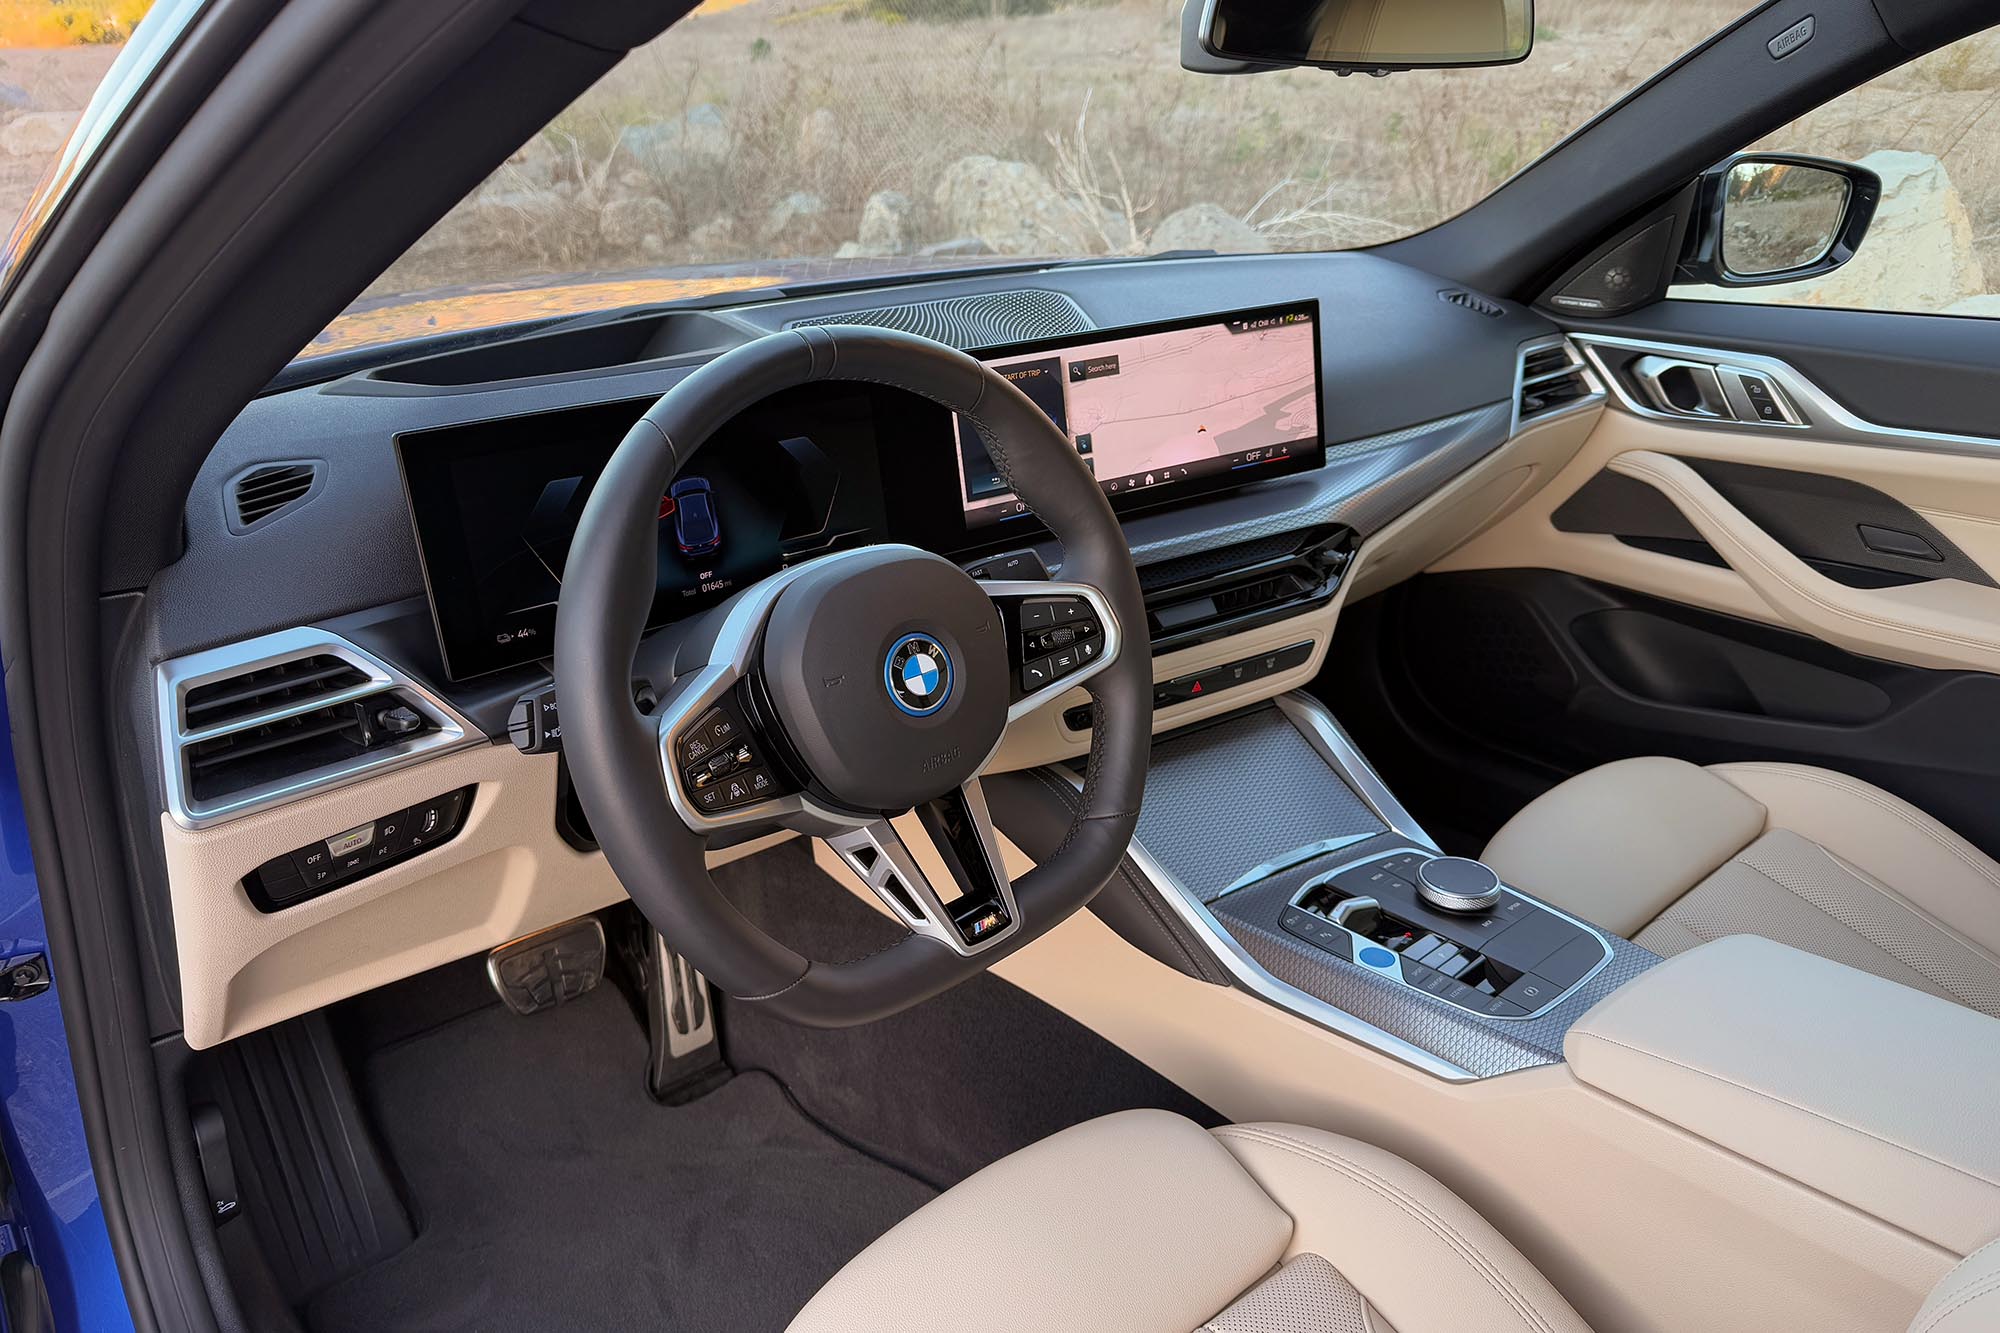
(507, 872)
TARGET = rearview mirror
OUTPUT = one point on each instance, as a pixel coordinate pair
(1371, 36)
(1773, 217)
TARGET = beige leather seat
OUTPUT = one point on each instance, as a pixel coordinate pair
(1143, 1222)
(1672, 856)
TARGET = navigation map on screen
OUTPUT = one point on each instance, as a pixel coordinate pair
(1153, 409)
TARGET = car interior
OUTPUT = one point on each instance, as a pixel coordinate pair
(1436, 786)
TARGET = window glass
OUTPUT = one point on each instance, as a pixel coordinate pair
(767, 141)
(1931, 131)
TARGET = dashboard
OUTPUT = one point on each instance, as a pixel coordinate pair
(340, 691)
(1160, 414)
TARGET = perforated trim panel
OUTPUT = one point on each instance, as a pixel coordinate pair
(1225, 798)
(987, 320)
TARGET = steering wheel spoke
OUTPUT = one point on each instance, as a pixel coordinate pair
(974, 909)
(1059, 635)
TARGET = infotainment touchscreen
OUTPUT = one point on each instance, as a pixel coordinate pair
(1166, 410)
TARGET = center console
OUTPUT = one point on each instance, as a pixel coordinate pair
(1270, 856)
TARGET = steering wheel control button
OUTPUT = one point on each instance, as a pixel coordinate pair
(1036, 674)
(1039, 614)
(712, 733)
(1014, 566)
(918, 674)
(1457, 884)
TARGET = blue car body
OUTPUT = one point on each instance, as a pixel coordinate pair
(50, 1212)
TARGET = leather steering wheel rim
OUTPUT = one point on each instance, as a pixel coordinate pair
(614, 750)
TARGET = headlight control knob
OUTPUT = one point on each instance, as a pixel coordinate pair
(1457, 884)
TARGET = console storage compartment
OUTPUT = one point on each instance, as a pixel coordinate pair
(1869, 1092)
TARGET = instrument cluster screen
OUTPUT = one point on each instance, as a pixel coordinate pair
(496, 504)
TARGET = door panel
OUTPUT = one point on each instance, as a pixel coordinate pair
(1815, 586)
(1950, 621)
(1555, 674)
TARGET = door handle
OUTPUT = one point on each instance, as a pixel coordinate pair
(1682, 388)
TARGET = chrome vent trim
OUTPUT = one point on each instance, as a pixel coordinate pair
(176, 679)
(987, 320)
(1552, 377)
(267, 490)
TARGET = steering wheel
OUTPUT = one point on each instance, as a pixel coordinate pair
(848, 689)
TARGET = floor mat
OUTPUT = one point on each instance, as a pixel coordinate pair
(940, 1089)
(551, 1192)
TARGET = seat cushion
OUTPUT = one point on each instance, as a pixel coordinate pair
(1805, 856)
(1142, 1222)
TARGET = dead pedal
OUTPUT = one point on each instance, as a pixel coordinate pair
(550, 967)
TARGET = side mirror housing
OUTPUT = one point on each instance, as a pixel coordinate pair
(1763, 218)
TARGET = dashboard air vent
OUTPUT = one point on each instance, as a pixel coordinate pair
(271, 719)
(1192, 599)
(1465, 300)
(1552, 376)
(269, 690)
(263, 491)
(973, 321)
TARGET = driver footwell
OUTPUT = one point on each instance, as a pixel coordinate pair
(549, 1191)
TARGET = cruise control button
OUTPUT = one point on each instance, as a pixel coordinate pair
(760, 782)
(709, 799)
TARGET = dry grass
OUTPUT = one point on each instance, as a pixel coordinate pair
(51, 23)
(1311, 160)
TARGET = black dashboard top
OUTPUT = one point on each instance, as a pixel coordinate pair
(1394, 356)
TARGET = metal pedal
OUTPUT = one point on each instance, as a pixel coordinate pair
(550, 967)
(685, 1059)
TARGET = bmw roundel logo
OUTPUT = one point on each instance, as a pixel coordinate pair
(918, 674)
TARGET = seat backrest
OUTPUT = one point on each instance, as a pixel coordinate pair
(1968, 1299)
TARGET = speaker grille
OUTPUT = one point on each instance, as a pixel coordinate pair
(973, 321)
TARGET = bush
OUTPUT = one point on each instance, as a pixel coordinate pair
(952, 11)
(66, 23)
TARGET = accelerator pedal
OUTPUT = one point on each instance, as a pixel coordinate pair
(550, 967)
(684, 1060)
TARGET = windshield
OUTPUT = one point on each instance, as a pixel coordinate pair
(768, 141)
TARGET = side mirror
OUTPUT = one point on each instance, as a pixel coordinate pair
(1763, 218)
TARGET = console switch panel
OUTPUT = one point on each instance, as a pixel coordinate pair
(1513, 961)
